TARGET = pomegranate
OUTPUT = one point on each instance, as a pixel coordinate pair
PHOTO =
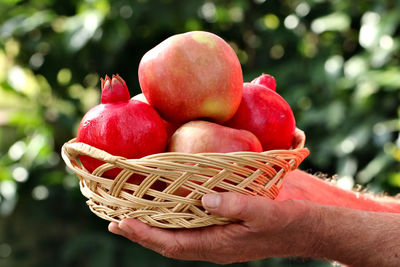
(170, 126)
(265, 80)
(267, 115)
(121, 127)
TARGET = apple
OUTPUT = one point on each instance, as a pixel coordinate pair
(267, 115)
(203, 136)
(194, 75)
(141, 97)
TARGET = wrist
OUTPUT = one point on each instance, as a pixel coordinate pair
(354, 237)
(320, 233)
(300, 231)
(326, 239)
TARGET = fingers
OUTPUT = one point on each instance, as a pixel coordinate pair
(184, 244)
(202, 243)
(261, 217)
(237, 206)
(160, 240)
(113, 228)
(150, 237)
(143, 232)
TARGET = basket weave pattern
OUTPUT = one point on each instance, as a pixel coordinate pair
(248, 173)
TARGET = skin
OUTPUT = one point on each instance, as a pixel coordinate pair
(267, 115)
(303, 186)
(353, 230)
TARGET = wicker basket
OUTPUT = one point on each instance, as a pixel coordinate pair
(248, 173)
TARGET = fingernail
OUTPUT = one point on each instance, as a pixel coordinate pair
(211, 201)
(113, 225)
(113, 228)
(124, 226)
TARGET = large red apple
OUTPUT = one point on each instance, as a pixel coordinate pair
(267, 115)
(204, 136)
(192, 75)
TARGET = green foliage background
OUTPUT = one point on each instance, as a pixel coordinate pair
(336, 63)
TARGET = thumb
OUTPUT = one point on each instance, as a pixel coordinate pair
(237, 206)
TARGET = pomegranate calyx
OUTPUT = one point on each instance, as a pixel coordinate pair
(114, 90)
(266, 80)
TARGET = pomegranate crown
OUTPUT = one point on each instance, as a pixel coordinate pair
(266, 80)
(114, 90)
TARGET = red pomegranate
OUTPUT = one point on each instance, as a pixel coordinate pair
(170, 126)
(265, 80)
(121, 127)
(267, 115)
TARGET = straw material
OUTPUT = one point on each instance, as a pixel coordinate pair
(170, 194)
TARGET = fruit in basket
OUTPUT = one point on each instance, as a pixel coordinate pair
(140, 97)
(194, 75)
(121, 127)
(170, 126)
(204, 136)
(267, 115)
(266, 80)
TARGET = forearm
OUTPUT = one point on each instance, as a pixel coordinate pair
(308, 187)
(354, 237)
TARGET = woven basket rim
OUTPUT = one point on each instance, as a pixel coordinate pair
(71, 146)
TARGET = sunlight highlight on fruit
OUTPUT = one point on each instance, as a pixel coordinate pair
(204, 39)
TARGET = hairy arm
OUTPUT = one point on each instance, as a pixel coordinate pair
(355, 237)
(290, 228)
(301, 185)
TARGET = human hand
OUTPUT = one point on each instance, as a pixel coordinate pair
(266, 229)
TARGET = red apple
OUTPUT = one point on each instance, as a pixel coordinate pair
(192, 75)
(141, 97)
(267, 115)
(204, 136)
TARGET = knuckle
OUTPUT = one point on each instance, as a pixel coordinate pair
(238, 205)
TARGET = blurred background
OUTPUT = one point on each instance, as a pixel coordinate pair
(336, 63)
